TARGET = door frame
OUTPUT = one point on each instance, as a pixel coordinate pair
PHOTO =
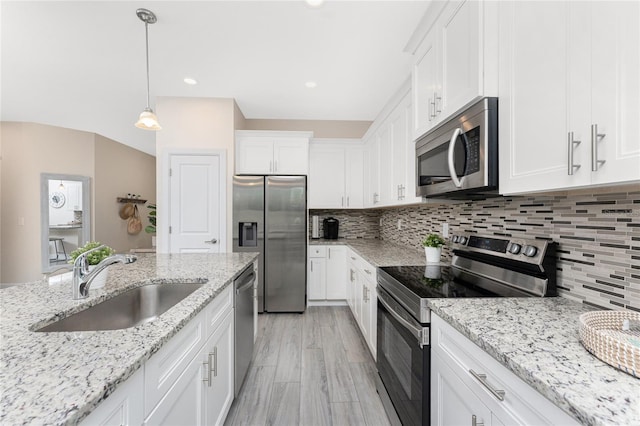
(164, 198)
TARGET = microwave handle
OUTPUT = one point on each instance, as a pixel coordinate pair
(452, 167)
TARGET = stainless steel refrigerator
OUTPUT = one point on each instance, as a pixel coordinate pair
(270, 216)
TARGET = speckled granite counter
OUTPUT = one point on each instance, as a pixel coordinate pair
(58, 378)
(378, 252)
(537, 339)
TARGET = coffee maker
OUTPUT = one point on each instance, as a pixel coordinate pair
(330, 228)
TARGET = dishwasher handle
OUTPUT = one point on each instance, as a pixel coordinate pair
(247, 284)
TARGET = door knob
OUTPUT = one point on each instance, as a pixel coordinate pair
(212, 241)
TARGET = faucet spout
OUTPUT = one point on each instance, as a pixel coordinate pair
(82, 277)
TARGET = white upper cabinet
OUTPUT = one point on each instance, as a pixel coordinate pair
(390, 155)
(453, 64)
(569, 95)
(336, 173)
(272, 153)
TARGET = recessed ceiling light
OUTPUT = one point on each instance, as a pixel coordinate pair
(315, 3)
(190, 81)
(311, 84)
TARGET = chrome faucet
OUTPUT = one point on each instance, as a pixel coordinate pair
(82, 277)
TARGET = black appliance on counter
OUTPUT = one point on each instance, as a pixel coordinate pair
(480, 267)
(330, 226)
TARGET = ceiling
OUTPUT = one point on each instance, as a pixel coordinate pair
(81, 64)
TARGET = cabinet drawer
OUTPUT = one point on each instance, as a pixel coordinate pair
(317, 251)
(521, 403)
(217, 309)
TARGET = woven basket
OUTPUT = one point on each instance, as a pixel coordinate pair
(601, 334)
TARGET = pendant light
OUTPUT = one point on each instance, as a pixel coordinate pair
(148, 119)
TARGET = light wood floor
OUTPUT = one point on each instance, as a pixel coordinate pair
(309, 369)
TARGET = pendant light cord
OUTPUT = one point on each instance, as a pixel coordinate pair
(146, 32)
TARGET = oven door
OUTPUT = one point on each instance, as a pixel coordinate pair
(403, 360)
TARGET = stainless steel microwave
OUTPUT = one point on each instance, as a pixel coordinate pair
(459, 158)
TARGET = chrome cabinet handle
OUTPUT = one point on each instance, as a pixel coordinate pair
(474, 421)
(342, 202)
(207, 365)
(212, 241)
(215, 361)
(364, 293)
(571, 144)
(270, 166)
(595, 138)
(329, 252)
(311, 265)
(367, 271)
(352, 258)
(347, 201)
(452, 167)
(482, 378)
(432, 107)
(436, 98)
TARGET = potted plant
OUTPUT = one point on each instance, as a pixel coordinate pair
(433, 247)
(151, 228)
(93, 259)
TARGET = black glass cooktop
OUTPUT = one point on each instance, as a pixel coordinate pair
(435, 282)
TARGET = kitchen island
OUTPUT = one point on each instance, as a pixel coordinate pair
(59, 378)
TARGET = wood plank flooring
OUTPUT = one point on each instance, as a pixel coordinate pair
(309, 369)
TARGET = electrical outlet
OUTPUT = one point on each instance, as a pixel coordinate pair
(445, 230)
(399, 224)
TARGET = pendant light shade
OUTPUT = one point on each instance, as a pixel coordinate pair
(147, 119)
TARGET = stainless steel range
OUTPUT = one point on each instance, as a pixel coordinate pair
(480, 267)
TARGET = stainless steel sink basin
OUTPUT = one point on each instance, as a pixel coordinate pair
(131, 308)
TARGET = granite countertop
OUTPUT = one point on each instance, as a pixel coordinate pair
(537, 339)
(59, 378)
(379, 252)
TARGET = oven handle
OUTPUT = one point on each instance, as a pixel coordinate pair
(418, 332)
(452, 167)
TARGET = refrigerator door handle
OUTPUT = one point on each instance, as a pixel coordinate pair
(212, 241)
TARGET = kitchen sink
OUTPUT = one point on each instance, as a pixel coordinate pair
(133, 307)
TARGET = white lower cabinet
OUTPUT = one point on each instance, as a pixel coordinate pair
(468, 386)
(363, 297)
(203, 394)
(326, 273)
(123, 407)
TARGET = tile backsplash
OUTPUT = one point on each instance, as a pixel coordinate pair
(598, 235)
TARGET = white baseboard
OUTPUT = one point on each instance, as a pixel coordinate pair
(326, 303)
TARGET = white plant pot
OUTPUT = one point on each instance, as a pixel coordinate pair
(101, 279)
(433, 254)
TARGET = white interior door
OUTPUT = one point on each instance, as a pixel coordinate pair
(196, 203)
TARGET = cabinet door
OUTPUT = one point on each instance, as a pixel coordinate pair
(184, 402)
(615, 84)
(533, 98)
(351, 277)
(452, 402)
(461, 48)
(316, 279)
(291, 156)
(372, 302)
(254, 155)
(326, 177)
(336, 286)
(219, 357)
(354, 178)
(385, 165)
(425, 82)
(123, 407)
(365, 310)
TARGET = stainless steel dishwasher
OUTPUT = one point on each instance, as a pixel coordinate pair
(243, 304)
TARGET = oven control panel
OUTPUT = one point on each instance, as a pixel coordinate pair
(523, 250)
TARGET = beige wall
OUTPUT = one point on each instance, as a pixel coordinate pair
(120, 170)
(29, 149)
(192, 124)
(320, 128)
